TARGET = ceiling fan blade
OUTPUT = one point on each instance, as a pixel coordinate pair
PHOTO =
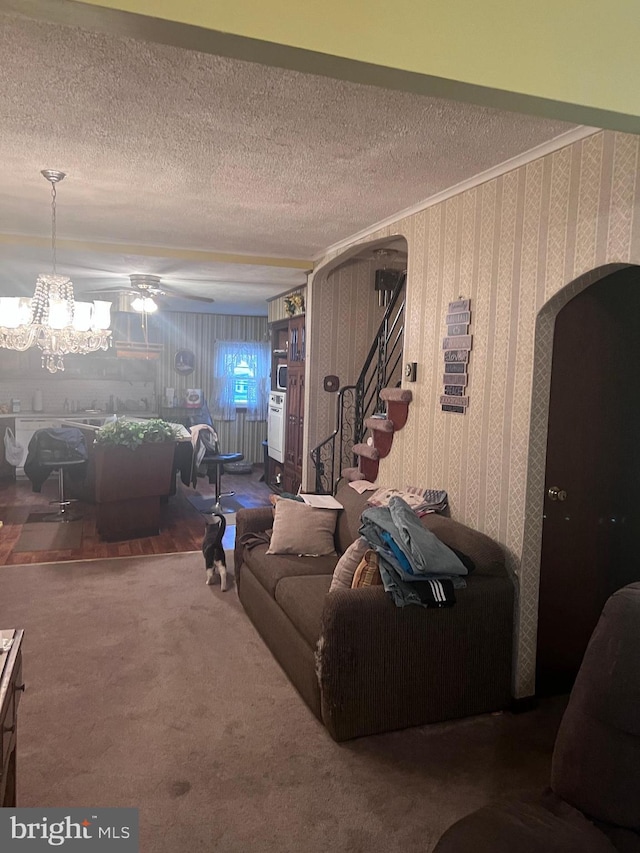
(179, 295)
(108, 290)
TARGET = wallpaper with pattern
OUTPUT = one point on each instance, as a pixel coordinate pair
(347, 304)
(519, 246)
(199, 332)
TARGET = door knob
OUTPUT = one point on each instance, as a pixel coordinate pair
(556, 494)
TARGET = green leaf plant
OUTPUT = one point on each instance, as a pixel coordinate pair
(132, 434)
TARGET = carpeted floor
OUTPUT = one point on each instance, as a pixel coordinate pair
(147, 688)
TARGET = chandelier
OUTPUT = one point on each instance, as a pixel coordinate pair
(52, 320)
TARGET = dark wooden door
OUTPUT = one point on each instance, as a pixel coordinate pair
(592, 455)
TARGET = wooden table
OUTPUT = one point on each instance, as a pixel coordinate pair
(11, 689)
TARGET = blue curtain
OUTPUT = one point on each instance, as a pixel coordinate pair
(227, 356)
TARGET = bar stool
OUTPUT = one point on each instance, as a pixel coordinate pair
(215, 464)
(62, 502)
(208, 459)
(53, 450)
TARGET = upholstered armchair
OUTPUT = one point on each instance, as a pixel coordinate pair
(593, 803)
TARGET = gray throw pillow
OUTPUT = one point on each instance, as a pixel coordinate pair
(302, 529)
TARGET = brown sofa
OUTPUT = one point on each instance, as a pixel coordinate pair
(593, 804)
(364, 665)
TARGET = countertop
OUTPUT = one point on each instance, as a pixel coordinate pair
(77, 416)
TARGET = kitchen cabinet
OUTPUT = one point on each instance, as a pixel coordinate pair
(97, 365)
(293, 452)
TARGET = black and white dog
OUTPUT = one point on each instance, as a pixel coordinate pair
(214, 558)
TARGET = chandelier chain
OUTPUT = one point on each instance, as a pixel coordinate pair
(53, 228)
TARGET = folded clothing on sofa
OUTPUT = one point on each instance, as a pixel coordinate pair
(420, 500)
(411, 555)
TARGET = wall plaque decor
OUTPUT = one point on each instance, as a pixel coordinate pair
(459, 317)
(449, 400)
(457, 342)
(456, 347)
(184, 362)
(460, 305)
(454, 379)
(458, 329)
(456, 355)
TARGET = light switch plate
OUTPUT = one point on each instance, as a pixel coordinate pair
(410, 370)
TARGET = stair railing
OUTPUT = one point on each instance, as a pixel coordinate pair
(356, 403)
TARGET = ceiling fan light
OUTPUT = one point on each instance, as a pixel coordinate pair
(144, 304)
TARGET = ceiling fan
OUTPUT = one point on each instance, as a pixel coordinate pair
(145, 290)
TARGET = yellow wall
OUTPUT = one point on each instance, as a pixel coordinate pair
(580, 52)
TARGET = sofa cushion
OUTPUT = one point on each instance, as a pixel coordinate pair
(302, 529)
(347, 564)
(368, 571)
(302, 599)
(485, 554)
(348, 525)
(269, 569)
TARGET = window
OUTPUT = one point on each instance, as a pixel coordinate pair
(241, 377)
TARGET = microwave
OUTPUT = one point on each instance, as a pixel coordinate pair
(281, 377)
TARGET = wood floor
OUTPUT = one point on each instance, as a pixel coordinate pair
(182, 525)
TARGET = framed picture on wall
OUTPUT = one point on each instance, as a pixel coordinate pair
(184, 362)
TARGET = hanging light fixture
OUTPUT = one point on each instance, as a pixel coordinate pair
(385, 280)
(52, 320)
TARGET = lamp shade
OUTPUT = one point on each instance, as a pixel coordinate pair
(101, 314)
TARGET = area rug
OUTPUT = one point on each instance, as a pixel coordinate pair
(145, 687)
(49, 536)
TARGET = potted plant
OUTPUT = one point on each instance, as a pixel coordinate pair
(133, 471)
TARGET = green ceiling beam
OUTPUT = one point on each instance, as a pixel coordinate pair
(575, 59)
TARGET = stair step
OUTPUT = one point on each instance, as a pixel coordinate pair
(397, 395)
(382, 430)
(381, 424)
(368, 451)
(351, 474)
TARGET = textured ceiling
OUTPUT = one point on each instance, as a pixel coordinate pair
(171, 148)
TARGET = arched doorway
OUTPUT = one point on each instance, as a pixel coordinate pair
(591, 511)
(345, 314)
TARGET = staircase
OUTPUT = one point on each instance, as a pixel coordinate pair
(372, 404)
(380, 441)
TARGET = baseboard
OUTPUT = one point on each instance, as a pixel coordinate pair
(526, 703)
